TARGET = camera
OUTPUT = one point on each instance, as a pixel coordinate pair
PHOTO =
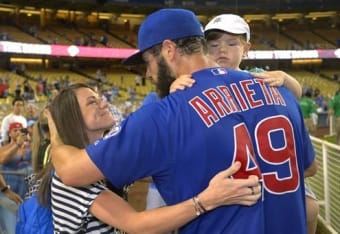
(24, 131)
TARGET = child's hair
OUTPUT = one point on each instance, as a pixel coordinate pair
(216, 34)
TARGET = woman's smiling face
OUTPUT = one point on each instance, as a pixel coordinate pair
(95, 112)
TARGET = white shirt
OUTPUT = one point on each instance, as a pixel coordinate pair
(7, 120)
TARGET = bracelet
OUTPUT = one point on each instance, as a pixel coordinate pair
(200, 204)
(4, 189)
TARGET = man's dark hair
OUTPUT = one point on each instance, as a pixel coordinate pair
(189, 45)
(17, 99)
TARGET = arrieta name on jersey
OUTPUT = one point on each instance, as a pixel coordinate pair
(239, 97)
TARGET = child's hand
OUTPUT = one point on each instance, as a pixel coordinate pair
(181, 83)
(272, 78)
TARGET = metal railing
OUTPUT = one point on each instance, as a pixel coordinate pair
(326, 183)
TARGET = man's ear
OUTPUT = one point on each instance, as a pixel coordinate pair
(168, 49)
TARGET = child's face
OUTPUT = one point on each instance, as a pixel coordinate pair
(228, 50)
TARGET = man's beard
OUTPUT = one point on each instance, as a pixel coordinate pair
(165, 79)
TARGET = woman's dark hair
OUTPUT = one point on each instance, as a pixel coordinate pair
(41, 134)
(67, 116)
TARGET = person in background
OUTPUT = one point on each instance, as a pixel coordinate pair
(31, 113)
(15, 116)
(308, 108)
(90, 118)
(18, 160)
(9, 201)
(334, 110)
(12, 162)
(187, 136)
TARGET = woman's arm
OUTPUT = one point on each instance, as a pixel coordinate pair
(222, 190)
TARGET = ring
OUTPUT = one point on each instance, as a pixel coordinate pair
(252, 190)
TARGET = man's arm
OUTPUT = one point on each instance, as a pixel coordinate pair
(73, 165)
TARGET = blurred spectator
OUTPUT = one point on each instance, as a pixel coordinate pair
(334, 110)
(138, 80)
(9, 201)
(3, 89)
(320, 101)
(308, 108)
(132, 93)
(28, 91)
(16, 164)
(39, 87)
(53, 92)
(122, 79)
(115, 91)
(4, 36)
(19, 159)
(15, 116)
(17, 90)
(104, 40)
(31, 116)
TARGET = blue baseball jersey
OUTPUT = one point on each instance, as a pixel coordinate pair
(150, 98)
(183, 140)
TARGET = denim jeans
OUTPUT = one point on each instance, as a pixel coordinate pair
(8, 210)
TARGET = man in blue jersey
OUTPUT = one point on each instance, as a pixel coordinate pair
(188, 136)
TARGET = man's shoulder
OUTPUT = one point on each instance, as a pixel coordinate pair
(220, 71)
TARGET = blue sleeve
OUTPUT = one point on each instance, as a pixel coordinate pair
(309, 150)
(136, 151)
(150, 98)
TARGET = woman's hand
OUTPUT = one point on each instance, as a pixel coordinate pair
(225, 190)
